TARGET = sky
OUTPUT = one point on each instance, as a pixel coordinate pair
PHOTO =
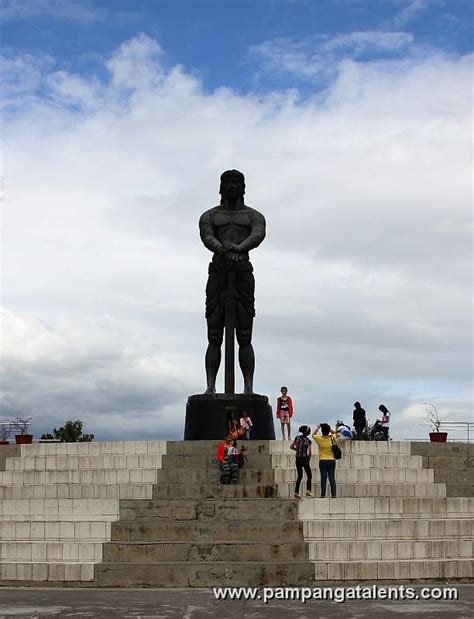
(352, 122)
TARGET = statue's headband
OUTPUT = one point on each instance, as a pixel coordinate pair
(232, 173)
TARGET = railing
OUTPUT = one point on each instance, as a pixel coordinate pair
(467, 427)
(458, 432)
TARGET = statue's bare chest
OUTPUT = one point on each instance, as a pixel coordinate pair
(224, 220)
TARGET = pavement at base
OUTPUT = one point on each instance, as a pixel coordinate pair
(200, 604)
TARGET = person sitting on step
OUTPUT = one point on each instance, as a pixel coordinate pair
(343, 431)
(227, 454)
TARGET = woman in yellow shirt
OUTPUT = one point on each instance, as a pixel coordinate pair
(327, 462)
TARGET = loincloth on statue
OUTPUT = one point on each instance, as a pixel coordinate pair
(217, 284)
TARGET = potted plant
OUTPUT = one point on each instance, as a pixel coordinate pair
(434, 421)
(21, 424)
(4, 433)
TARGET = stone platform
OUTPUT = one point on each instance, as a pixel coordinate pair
(152, 513)
(217, 408)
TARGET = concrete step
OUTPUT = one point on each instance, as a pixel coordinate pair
(287, 461)
(441, 449)
(375, 508)
(461, 490)
(356, 461)
(141, 552)
(208, 448)
(58, 509)
(352, 447)
(77, 491)
(446, 463)
(78, 477)
(393, 550)
(209, 462)
(371, 490)
(204, 574)
(203, 491)
(393, 571)
(59, 573)
(454, 477)
(206, 531)
(355, 476)
(94, 448)
(83, 462)
(283, 447)
(253, 475)
(55, 530)
(209, 509)
(388, 529)
(50, 551)
(247, 475)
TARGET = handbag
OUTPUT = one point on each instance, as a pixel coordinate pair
(336, 450)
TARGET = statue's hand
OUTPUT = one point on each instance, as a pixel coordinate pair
(228, 246)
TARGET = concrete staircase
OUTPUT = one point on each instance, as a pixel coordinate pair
(58, 502)
(452, 465)
(154, 514)
(392, 521)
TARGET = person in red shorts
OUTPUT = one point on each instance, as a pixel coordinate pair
(284, 412)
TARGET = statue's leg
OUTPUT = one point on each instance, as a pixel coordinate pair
(246, 353)
(215, 334)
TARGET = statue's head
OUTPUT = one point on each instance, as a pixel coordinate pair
(232, 180)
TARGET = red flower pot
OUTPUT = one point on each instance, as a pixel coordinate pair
(438, 437)
(23, 439)
(4, 442)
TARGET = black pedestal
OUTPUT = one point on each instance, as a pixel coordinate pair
(207, 416)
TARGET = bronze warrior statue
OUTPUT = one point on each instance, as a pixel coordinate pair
(230, 230)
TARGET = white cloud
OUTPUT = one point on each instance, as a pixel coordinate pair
(372, 41)
(363, 281)
(21, 76)
(136, 64)
(320, 57)
(109, 374)
(11, 10)
(413, 11)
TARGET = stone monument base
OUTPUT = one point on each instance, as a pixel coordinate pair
(207, 416)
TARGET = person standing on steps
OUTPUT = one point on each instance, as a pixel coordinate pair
(245, 424)
(360, 420)
(284, 412)
(327, 462)
(302, 446)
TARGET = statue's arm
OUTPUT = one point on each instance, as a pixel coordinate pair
(257, 233)
(207, 234)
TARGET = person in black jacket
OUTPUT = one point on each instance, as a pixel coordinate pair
(360, 419)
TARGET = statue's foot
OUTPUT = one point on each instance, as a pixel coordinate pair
(248, 389)
(210, 391)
